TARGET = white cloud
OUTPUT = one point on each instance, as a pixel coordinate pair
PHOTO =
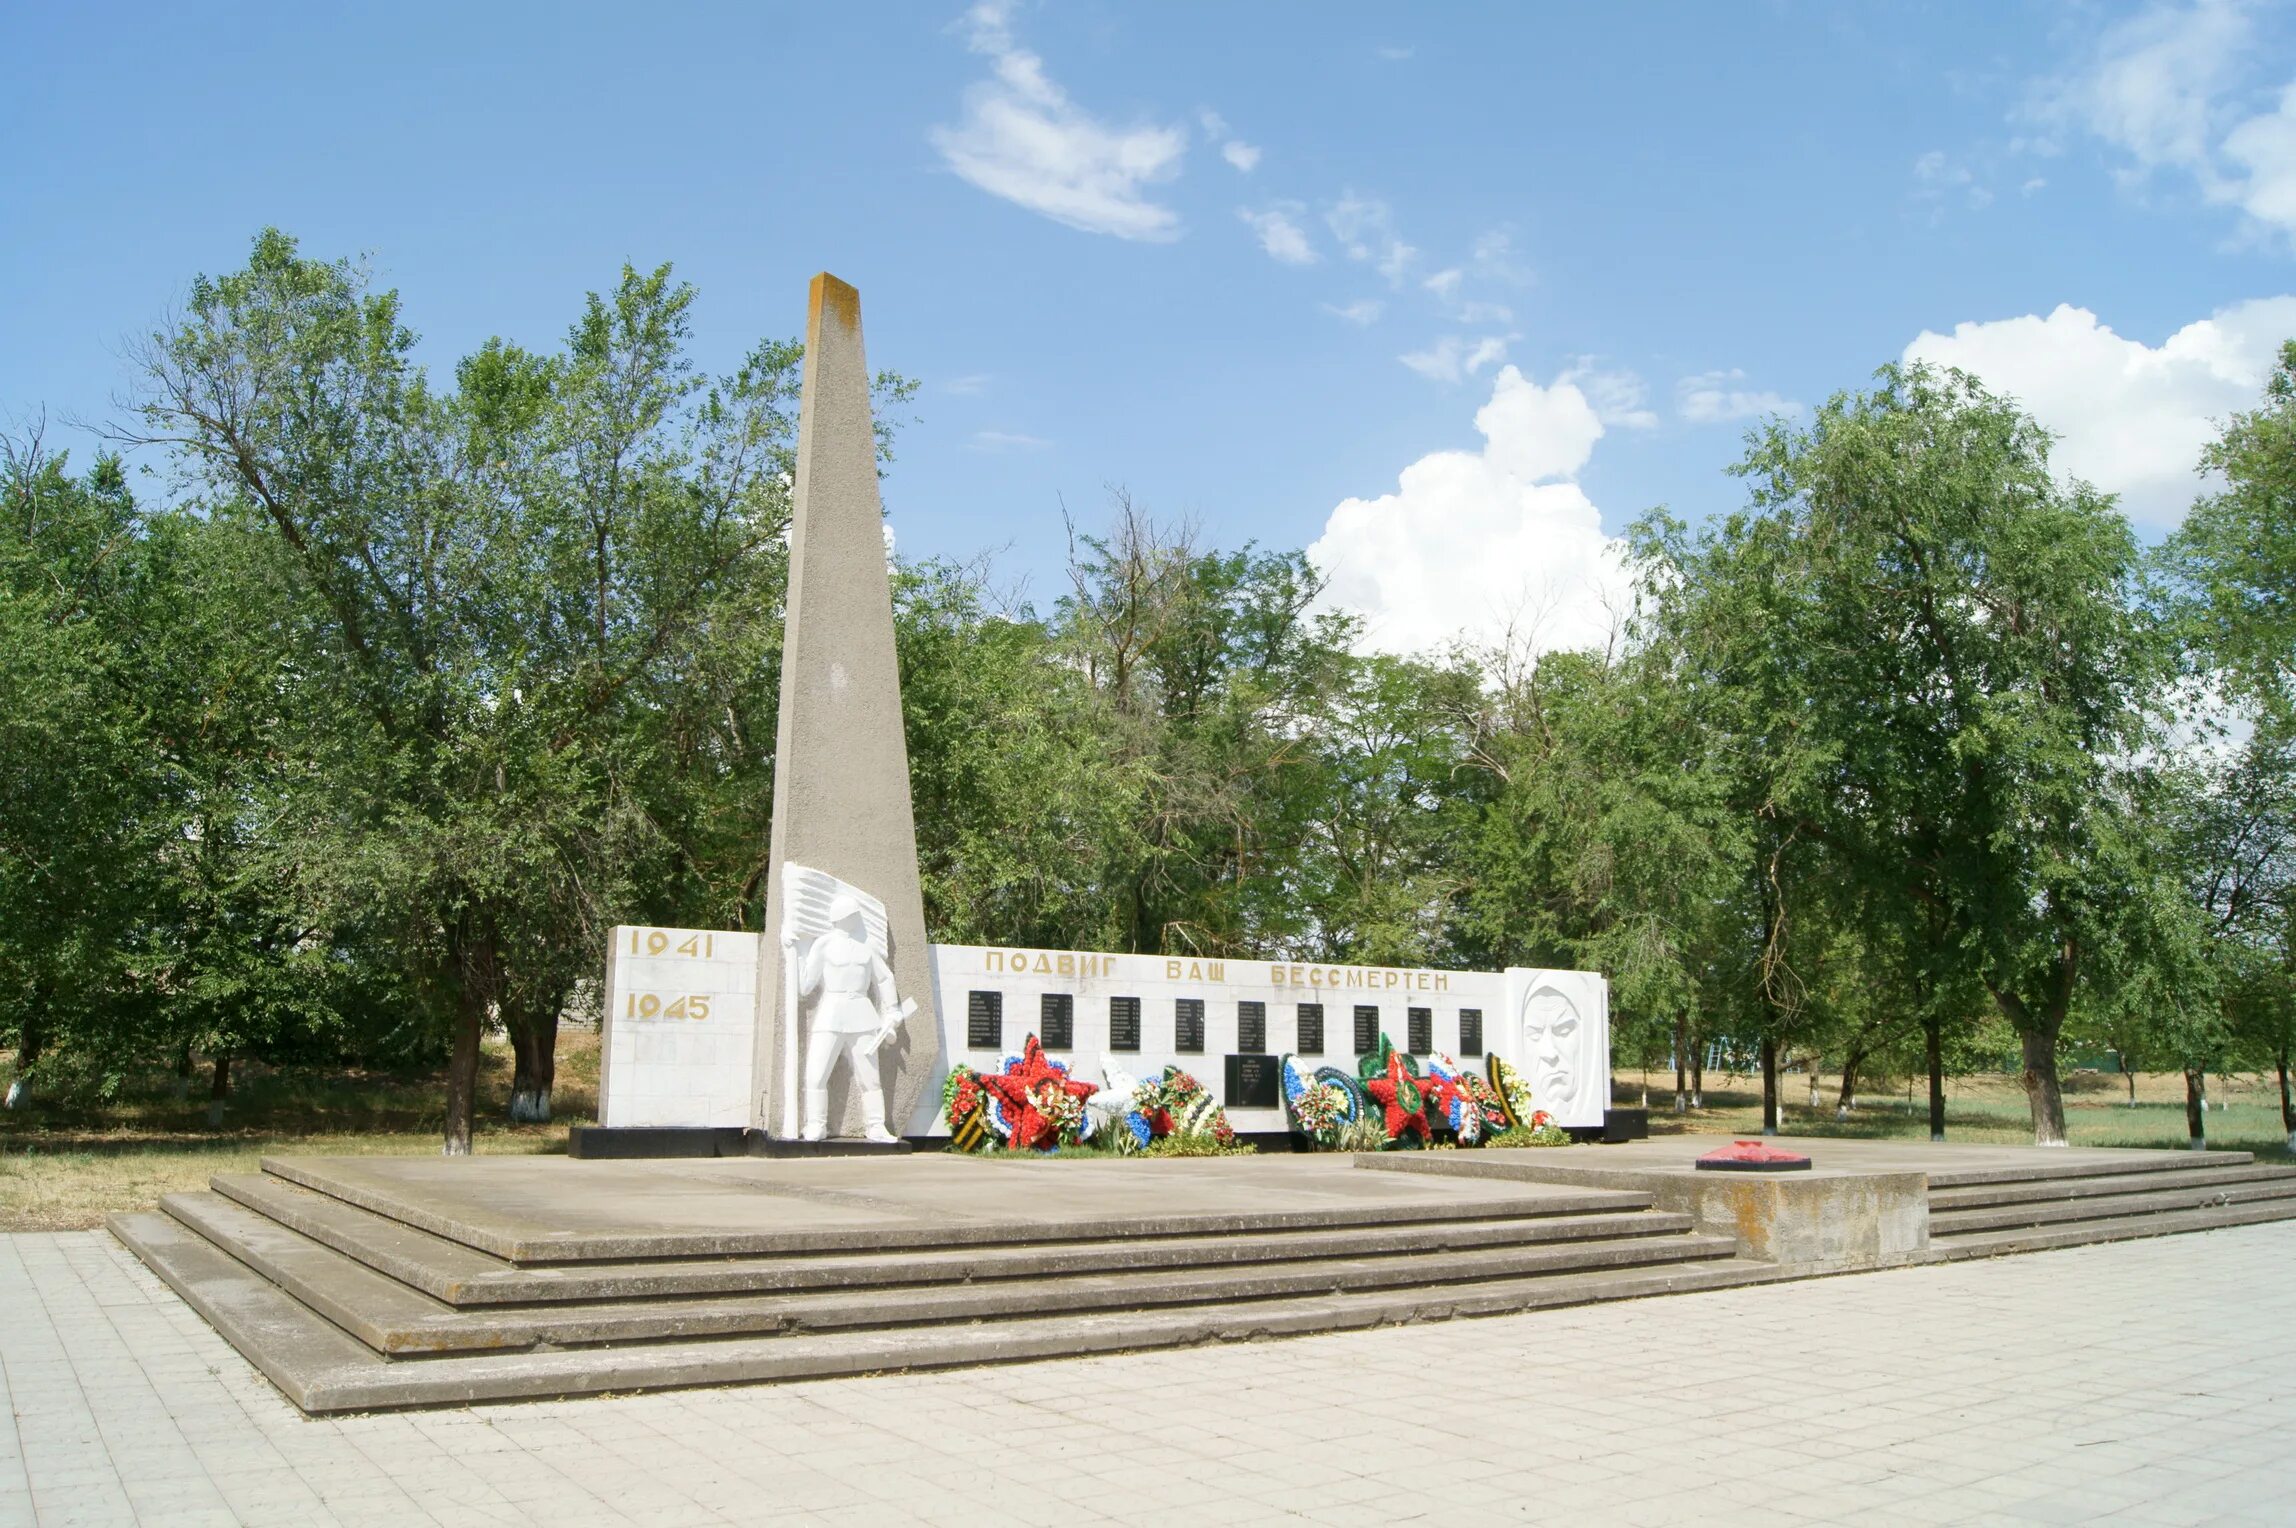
(1392, 53)
(1006, 440)
(1476, 543)
(1021, 138)
(1453, 358)
(1244, 156)
(971, 385)
(1365, 229)
(1619, 397)
(1720, 397)
(1493, 255)
(1445, 284)
(2130, 418)
(1484, 313)
(1280, 234)
(2152, 84)
(2169, 88)
(1363, 311)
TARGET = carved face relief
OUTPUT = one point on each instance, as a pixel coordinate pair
(1554, 1050)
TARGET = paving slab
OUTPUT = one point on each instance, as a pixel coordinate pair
(560, 1210)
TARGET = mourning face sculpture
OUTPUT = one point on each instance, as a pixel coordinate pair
(1554, 1049)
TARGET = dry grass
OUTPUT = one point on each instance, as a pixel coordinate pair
(67, 1163)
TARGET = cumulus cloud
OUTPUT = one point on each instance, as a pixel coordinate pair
(1365, 229)
(1485, 543)
(1361, 312)
(1023, 139)
(1244, 156)
(2171, 89)
(1454, 357)
(2130, 418)
(1280, 234)
(1722, 397)
(1445, 284)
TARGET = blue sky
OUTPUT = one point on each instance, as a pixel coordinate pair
(1449, 293)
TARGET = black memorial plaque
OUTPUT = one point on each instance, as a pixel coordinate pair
(1056, 1020)
(1366, 1028)
(1310, 1029)
(1124, 1023)
(984, 1021)
(1188, 1026)
(1251, 1026)
(1421, 1029)
(1470, 1031)
(1254, 1082)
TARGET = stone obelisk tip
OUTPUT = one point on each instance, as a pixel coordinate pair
(831, 298)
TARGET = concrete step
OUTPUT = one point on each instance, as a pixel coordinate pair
(324, 1369)
(2055, 1166)
(2109, 1207)
(1986, 1195)
(456, 1275)
(540, 1241)
(1997, 1243)
(394, 1319)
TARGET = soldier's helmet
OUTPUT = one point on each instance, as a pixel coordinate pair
(845, 908)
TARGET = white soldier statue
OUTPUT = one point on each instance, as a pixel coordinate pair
(856, 1011)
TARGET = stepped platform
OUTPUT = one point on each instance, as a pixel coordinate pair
(368, 1283)
(374, 1283)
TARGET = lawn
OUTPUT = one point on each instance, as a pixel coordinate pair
(1988, 1108)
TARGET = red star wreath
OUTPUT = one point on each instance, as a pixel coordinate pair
(1028, 1088)
(1398, 1093)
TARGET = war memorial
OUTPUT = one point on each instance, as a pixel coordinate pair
(819, 1149)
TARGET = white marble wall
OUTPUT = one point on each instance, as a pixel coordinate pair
(681, 1019)
(660, 1068)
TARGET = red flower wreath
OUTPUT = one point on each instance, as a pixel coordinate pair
(1016, 1086)
(1390, 1091)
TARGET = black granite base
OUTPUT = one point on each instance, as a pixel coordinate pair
(759, 1144)
(597, 1143)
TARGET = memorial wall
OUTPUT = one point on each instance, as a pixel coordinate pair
(683, 1011)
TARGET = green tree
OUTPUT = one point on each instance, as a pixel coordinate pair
(1954, 638)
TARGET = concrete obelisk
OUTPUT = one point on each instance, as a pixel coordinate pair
(841, 764)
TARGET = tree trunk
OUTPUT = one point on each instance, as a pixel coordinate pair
(2130, 1073)
(534, 1047)
(1813, 1103)
(183, 1073)
(1933, 1042)
(218, 1089)
(2196, 1107)
(476, 966)
(1682, 1063)
(2287, 1102)
(1698, 1076)
(29, 1043)
(1849, 1097)
(1769, 1086)
(2041, 1089)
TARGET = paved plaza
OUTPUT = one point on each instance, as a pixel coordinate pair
(2150, 1381)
